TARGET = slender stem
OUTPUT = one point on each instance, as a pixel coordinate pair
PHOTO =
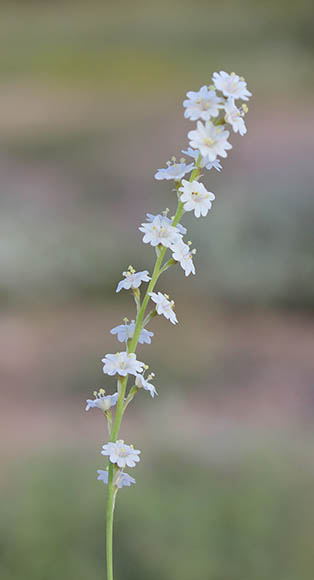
(110, 490)
(123, 382)
(109, 523)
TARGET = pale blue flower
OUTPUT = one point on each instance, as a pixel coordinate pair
(126, 331)
(166, 220)
(203, 163)
(164, 306)
(143, 383)
(202, 104)
(101, 401)
(133, 279)
(120, 479)
(231, 85)
(121, 453)
(174, 171)
(122, 363)
(160, 231)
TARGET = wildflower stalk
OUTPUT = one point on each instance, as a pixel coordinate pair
(123, 384)
(109, 524)
(215, 105)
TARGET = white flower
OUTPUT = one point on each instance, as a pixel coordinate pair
(133, 279)
(214, 165)
(182, 253)
(166, 220)
(121, 453)
(101, 401)
(203, 104)
(210, 140)
(164, 306)
(235, 117)
(174, 171)
(196, 197)
(203, 162)
(231, 85)
(120, 478)
(122, 364)
(159, 231)
(126, 331)
(143, 383)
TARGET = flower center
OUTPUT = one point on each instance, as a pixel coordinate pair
(204, 105)
(208, 141)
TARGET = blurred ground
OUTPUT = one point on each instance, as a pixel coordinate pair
(90, 107)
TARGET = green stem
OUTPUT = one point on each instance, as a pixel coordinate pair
(123, 383)
(110, 490)
(109, 523)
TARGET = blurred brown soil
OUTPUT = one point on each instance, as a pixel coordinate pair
(258, 372)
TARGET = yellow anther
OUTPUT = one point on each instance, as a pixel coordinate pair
(146, 367)
(125, 320)
(245, 108)
(166, 296)
(101, 392)
(95, 394)
(208, 141)
(182, 160)
(189, 243)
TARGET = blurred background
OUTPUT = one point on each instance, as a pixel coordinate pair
(90, 106)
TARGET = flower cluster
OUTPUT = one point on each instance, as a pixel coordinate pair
(217, 108)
